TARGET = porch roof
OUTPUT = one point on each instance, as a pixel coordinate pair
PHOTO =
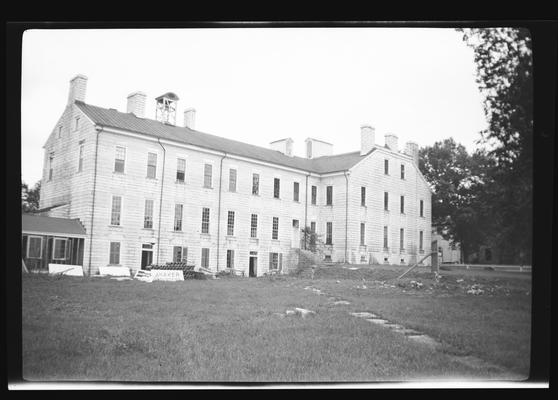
(39, 224)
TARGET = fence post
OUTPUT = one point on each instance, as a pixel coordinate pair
(434, 264)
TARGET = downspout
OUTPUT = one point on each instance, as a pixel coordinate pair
(99, 130)
(306, 212)
(346, 210)
(219, 208)
(161, 199)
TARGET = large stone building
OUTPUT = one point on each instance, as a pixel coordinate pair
(151, 191)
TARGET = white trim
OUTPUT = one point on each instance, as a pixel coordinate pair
(40, 249)
(54, 247)
(72, 235)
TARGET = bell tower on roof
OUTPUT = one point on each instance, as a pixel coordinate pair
(165, 111)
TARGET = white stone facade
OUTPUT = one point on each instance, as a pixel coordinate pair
(86, 188)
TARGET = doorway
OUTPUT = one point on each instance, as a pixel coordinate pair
(146, 255)
(253, 265)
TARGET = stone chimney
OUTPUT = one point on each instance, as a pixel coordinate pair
(136, 104)
(78, 86)
(284, 146)
(412, 149)
(367, 138)
(190, 118)
(391, 141)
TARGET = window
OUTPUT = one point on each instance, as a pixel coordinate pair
(114, 256)
(313, 231)
(422, 208)
(178, 208)
(401, 239)
(275, 228)
(386, 167)
(363, 196)
(207, 175)
(116, 210)
(35, 247)
(421, 236)
(205, 220)
(76, 125)
(230, 258)
(179, 254)
(205, 258)
(402, 204)
(148, 214)
(276, 187)
(314, 195)
(295, 191)
(362, 233)
(329, 233)
(50, 162)
(230, 224)
(254, 226)
(386, 201)
(151, 165)
(180, 170)
(402, 171)
(232, 180)
(256, 184)
(59, 132)
(80, 158)
(119, 159)
(329, 195)
(275, 261)
(386, 238)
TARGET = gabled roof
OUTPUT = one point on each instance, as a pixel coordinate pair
(50, 225)
(129, 122)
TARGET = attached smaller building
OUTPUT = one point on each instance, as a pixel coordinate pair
(49, 240)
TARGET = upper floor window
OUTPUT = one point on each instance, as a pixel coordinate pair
(148, 215)
(385, 237)
(256, 184)
(50, 165)
(362, 233)
(275, 229)
(421, 236)
(362, 196)
(386, 201)
(232, 180)
(207, 175)
(230, 223)
(59, 132)
(276, 187)
(402, 171)
(386, 166)
(80, 157)
(254, 226)
(151, 165)
(329, 195)
(422, 208)
(116, 210)
(119, 159)
(76, 124)
(402, 204)
(314, 195)
(180, 170)
(205, 220)
(178, 208)
(295, 191)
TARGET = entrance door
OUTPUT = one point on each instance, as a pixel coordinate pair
(253, 266)
(146, 255)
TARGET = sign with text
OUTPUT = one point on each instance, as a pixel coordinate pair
(167, 275)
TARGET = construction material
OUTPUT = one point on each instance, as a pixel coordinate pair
(114, 271)
(415, 265)
(65, 269)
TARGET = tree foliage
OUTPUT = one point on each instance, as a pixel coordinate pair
(30, 197)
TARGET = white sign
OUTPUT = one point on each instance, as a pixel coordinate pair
(114, 271)
(65, 269)
(167, 275)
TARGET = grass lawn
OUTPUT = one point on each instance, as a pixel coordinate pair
(230, 330)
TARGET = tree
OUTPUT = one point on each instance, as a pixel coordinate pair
(30, 197)
(459, 210)
(504, 73)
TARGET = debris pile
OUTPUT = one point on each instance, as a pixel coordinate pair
(475, 289)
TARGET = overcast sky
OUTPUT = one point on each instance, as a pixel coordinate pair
(260, 85)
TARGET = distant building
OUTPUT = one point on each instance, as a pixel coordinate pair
(150, 191)
(447, 251)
